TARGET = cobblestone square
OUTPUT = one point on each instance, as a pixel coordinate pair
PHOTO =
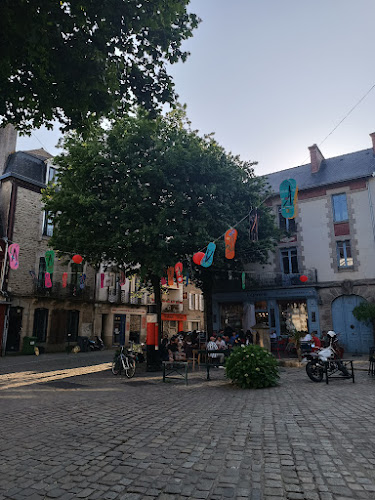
(84, 433)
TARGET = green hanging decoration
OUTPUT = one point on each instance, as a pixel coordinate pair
(243, 280)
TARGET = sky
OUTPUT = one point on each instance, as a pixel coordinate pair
(272, 77)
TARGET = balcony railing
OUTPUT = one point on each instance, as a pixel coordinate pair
(117, 296)
(267, 280)
(70, 292)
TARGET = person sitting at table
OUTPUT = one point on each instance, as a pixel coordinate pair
(307, 338)
(212, 346)
(316, 345)
(233, 339)
(175, 351)
(221, 344)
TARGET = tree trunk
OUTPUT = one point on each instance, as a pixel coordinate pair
(155, 281)
(207, 294)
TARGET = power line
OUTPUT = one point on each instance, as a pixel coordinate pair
(343, 119)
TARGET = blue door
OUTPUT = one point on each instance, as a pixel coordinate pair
(355, 335)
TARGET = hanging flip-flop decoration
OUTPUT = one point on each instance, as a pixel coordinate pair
(209, 255)
(230, 238)
(50, 261)
(82, 280)
(163, 281)
(288, 195)
(122, 279)
(102, 276)
(64, 279)
(13, 252)
(170, 273)
(243, 280)
(178, 270)
(47, 280)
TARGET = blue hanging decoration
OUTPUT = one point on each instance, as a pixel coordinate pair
(209, 255)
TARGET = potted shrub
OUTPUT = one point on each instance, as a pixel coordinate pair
(252, 367)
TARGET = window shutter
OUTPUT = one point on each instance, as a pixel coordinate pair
(201, 303)
(191, 301)
(196, 297)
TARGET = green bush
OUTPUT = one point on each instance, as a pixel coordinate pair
(252, 367)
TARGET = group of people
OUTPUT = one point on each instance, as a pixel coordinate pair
(180, 347)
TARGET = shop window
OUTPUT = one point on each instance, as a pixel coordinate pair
(293, 315)
(288, 225)
(344, 254)
(289, 260)
(40, 324)
(340, 207)
(231, 316)
(135, 328)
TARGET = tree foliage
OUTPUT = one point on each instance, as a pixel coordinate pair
(151, 192)
(73, 61)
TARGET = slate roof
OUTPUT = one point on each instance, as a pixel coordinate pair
(28, 165)
(332, 171)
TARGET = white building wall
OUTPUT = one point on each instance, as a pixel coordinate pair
(313, 234)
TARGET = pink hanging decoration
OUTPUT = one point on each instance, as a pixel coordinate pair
(102, 280)
(163, 281)
(13, 252)
(47, 280)
(122, 279)
(64, 279)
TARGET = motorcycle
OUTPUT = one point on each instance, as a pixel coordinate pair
(96, 345)
(325, 358)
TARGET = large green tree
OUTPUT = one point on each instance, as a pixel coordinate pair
(152, 192)
(76, 60)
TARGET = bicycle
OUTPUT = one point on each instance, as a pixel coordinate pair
(124, 361)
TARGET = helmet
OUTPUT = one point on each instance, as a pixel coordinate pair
(331, 333)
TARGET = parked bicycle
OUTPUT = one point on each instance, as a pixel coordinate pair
(124, 362)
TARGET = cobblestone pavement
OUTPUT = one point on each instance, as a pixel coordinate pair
(86, 434)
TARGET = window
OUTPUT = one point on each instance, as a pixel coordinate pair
(288, 225)
(51, 174)
(344, 254)
(289, 262)
(40, 324)
(201, 303)
(42, 272)
(340, 208)
(47, 225)
(191, 301)
(72, 326)
(76, 271)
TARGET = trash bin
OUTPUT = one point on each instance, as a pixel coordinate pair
(29, 344)
(83, 343)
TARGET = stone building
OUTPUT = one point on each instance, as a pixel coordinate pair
(55, 315)
(324, 263)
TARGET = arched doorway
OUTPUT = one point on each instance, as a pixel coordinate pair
(355, 335)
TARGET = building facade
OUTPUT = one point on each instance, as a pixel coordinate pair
(324, 263)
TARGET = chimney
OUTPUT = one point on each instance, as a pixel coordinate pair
(373, 142)
(316, 158)
(8, 140)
